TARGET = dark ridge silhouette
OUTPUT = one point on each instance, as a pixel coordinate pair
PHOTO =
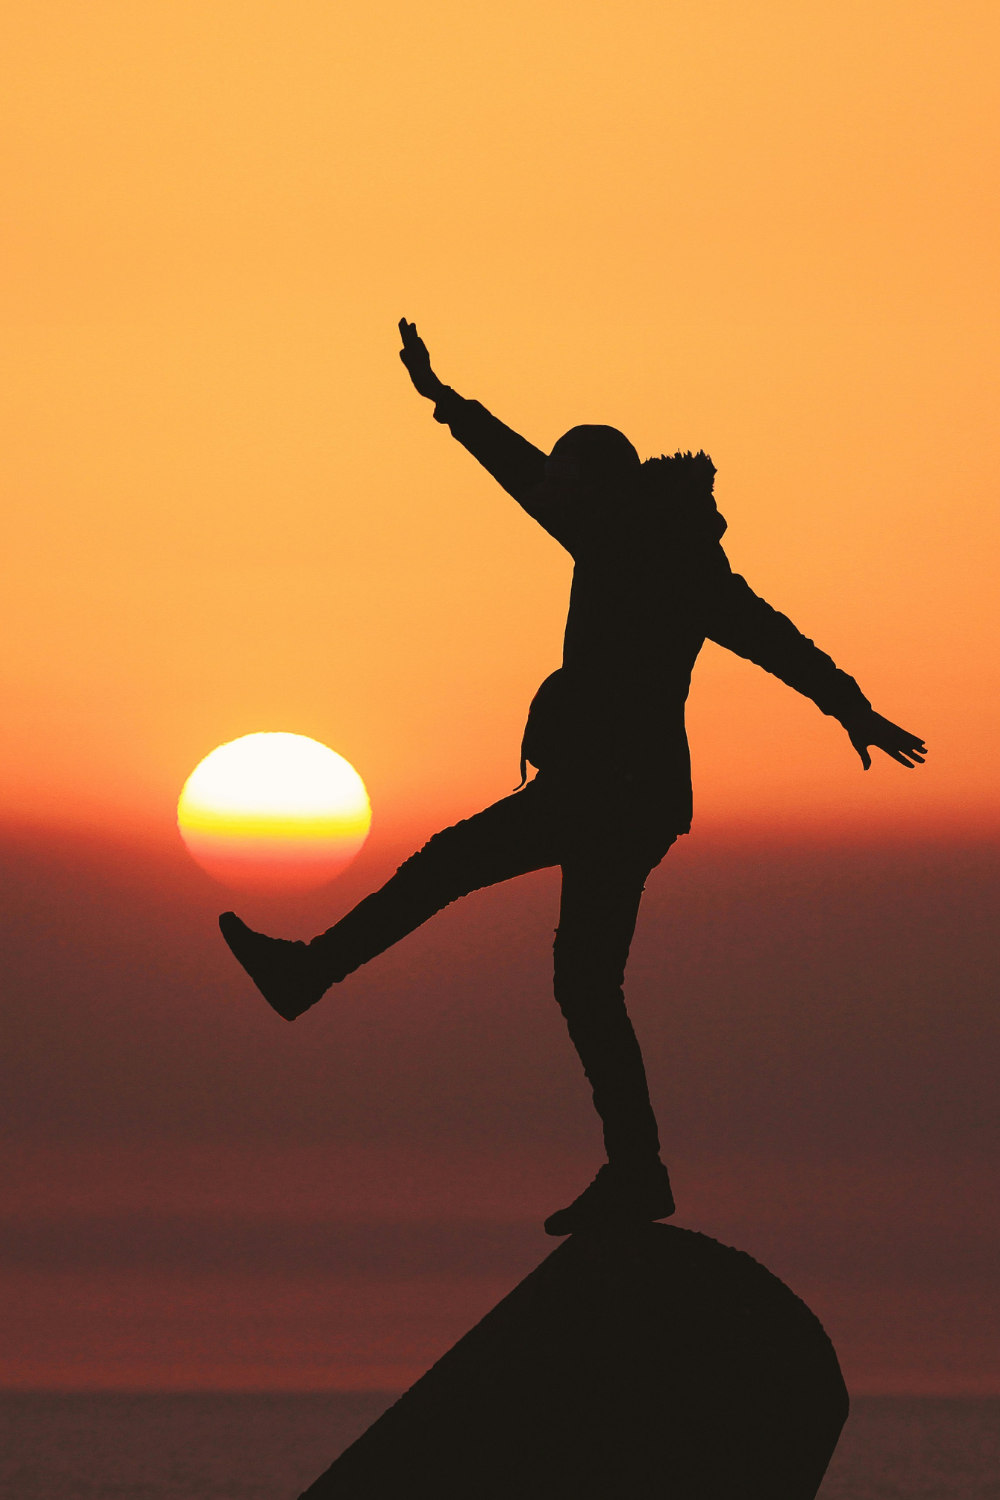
(633, 1363)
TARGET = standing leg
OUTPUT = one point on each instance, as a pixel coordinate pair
(510, 838)
(600, 903)
(596, 923)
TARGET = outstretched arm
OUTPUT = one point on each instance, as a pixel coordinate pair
(515, 463)
(740, 620)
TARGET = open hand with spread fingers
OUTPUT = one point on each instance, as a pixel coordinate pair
(871, 729)
(418, 362)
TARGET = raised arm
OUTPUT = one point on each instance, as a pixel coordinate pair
(743, 622)
(515, 463)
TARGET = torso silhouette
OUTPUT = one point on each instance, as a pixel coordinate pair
(650, 584)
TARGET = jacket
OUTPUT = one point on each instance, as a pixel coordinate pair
(651, 583)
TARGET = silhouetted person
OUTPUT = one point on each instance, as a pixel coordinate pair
(606, 735)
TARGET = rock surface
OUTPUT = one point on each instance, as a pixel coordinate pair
(648, 1362)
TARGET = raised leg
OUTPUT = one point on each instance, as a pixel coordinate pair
(510, 838)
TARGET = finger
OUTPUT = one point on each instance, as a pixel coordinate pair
(904, 747)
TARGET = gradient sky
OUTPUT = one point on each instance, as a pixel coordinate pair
(764, 229)
(767, 230)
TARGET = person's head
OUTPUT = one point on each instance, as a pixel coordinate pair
(592, 458)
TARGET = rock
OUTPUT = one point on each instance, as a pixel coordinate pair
(647, 1362)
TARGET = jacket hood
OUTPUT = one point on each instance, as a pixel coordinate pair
(682, 484)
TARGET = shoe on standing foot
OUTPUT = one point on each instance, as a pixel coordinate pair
(618, 1195)
(289, 975)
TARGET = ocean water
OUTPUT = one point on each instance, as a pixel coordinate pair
(174, 1447)
(909, 1448)
(269, 1447)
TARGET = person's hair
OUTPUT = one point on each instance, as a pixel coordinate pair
(606, 452)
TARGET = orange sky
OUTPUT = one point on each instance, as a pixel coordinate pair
(766, 229)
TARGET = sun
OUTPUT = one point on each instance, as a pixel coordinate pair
(274, 812)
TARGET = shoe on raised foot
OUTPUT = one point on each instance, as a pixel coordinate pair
(618, 1195)
(288, 975)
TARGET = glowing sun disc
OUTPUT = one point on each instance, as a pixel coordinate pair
(271, 811)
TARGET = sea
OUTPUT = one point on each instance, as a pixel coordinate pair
(270, 1447)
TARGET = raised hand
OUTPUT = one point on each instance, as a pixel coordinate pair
(871, 729)
(418, 362)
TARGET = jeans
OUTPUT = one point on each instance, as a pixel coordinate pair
(607, 841)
